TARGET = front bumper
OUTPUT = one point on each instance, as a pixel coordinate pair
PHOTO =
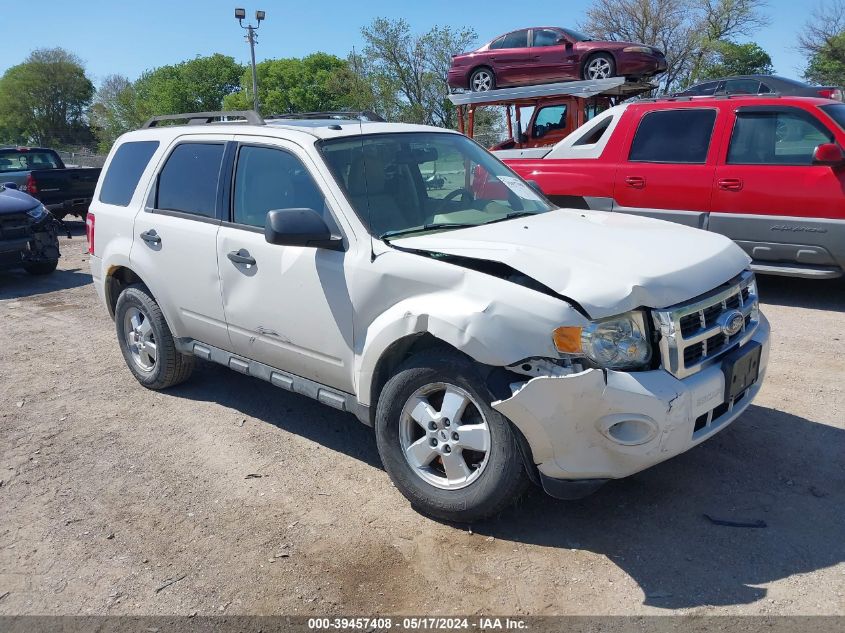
(640, 65)
(569, 421)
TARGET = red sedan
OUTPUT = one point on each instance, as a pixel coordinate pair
(548, 54)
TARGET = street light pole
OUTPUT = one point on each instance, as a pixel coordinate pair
(251, 37)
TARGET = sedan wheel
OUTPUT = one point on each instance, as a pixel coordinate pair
(140, 338)
(599, 67)
(444, 436)
(482, 80)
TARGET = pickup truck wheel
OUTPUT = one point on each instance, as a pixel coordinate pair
(600, 66)
(146, 342)
(482, 80)
(447, 450)
(42, 268)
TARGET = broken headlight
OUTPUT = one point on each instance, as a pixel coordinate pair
(620, 342)
(38, 214)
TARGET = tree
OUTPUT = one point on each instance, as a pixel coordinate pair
(827, 66)
(737, 59)
(318, 82)
(44, 100)
(823, 40)
(115, 110)
(408, 72)
(196, 85)
(688, 31)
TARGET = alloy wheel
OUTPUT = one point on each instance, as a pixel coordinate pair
(444, 436)
(598, 68)
(140, 338)
(482, 81)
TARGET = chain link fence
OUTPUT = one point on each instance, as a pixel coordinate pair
(83, 157)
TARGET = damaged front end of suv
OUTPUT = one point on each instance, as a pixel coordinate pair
(28, 233)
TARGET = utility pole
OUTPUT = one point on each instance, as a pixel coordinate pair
(252, 38)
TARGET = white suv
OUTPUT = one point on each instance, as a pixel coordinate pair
(405, 275)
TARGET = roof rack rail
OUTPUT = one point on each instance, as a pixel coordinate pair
(203, 118)
(765, 95)
(344, 115)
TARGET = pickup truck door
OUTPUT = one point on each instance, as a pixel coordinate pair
(174, 249)
(770, 197)
(667, 172)
(286, 306)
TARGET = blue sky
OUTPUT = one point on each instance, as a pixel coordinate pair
(129, 36)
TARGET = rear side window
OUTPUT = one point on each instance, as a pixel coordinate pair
(26, 160)
(743, 87)
(673, 136)
(594, 135)
(188, 181)
(775, 138)
(129, 162)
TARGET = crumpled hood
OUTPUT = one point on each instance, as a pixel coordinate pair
(14, 201)
(608, 262)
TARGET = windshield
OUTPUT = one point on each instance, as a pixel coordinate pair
(423, 181)
(577, 36)
(26, 160)
(837, 113)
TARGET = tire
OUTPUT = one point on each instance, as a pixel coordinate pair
(485, 79)
(492, 479)
(42, 268)
(599, 66)
(140, 323)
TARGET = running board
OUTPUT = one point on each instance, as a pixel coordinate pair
(797, 270)
(290, 382)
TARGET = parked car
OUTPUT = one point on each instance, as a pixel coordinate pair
(759, 85)
(547, 54)
(28, 235)
(768, 172)
(41, 173)
(489, 338)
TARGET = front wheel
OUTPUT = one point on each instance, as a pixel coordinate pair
(600, 66)
(447, 450)
(146, 342)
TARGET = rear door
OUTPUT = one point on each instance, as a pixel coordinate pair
(550, 59)
(670, 164)
(175, 239)
(770, 197)
(290, 309)
(511, 58)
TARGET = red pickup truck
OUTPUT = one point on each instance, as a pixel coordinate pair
(768, 172)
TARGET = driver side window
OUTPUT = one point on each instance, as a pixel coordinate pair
(548, 119)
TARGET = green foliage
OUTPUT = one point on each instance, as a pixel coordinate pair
(44, 100)
(196, 85)
(737, 59)
(317, 82)
(115, 111)
(827, 65)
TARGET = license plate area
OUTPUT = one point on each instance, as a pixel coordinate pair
(741, 368)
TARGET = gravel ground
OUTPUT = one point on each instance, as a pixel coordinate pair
(251, 500)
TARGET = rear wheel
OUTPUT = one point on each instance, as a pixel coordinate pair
(447, 450)
(482, 80)
(146, 342)
(600, 66)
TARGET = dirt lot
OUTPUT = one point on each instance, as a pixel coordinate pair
(109, 491)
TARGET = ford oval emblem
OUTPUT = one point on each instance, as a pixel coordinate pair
(732, 323)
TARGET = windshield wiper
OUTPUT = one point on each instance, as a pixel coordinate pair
(426, 227)
(511, 216)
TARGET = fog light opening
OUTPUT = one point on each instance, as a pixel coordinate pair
(630, 431)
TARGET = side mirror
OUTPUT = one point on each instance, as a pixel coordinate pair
(829, 154)
(299, 227)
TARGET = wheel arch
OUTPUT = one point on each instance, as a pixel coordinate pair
(117, 279)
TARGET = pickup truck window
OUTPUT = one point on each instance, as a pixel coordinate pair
(188, 181)
(129, 162)
(268, 179)
(836, 112)
(775, 138)
(403, 181)
(27, 160)
(548, 119)
(674, 136)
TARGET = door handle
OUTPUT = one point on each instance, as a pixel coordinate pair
(151, 237)
(242, 257)
(635, 181)
(730, 184)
